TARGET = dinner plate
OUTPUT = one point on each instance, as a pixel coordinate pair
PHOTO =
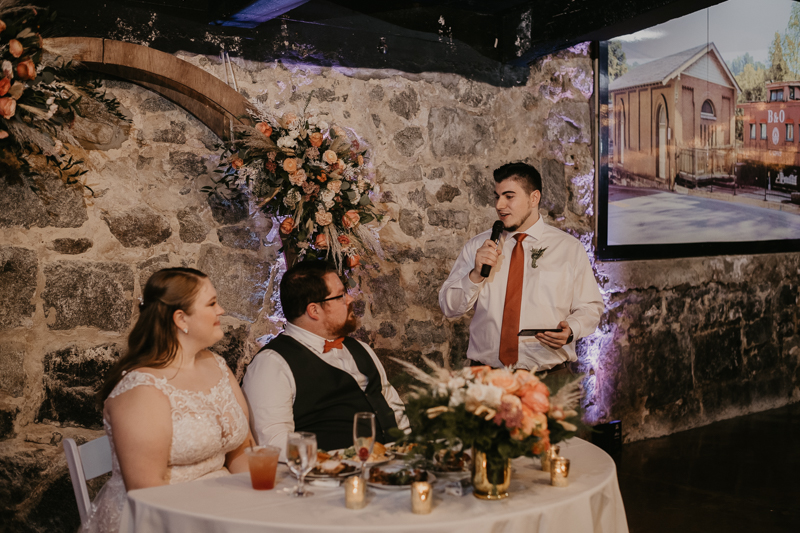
(388, 456)
(381, 486)
(341, 475)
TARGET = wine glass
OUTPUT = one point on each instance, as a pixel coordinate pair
(363, 437)
(301, 456)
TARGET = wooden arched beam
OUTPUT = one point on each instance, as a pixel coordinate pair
(205, 96)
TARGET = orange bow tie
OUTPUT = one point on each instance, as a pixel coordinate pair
(330, 345)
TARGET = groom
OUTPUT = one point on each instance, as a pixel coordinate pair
(313, 377)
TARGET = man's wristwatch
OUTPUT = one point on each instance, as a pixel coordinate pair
(571, 336)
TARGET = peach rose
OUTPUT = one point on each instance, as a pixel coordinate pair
(537, 398)
(3, 134)
(321, 242)
(287, 225)
(264, 128)
(315, 139)
(323, 218)
(360, 160)
(350, 219)
(26, 70)
(237, 163)
(8, 106)
(290, 165)
(330, 157)
(353, 261)
(339, 131)
(5, 85)
(298, 178)
(289, 117)
(335, 186)
(344, 240)
(504, 379)
(533, 422)
(15, 48)
(2, 26)
(527, 381)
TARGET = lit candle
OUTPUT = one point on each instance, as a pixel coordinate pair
(421, 497)
(548, 456)
(355, 492)
(559, 471)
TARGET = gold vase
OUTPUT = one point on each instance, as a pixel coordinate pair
(488, 482)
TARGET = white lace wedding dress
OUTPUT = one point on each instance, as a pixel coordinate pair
(205, 426)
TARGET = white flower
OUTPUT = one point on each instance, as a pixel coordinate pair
(294, 134)
(327, 196)
(312, 120)
(479, 394)
(287, 142)
(292, 198)
(457, 397)
(362, 185)
(456, 382)
(322, 125)
(349, 172)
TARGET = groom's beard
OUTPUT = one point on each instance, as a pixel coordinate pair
(349, 326)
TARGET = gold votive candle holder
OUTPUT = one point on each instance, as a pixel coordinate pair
(421, 497)
(548, 456)
(355, 492)
(559, 472)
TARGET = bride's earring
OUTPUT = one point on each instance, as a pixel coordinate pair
(186, 330)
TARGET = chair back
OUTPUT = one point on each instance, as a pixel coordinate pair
(86, 462)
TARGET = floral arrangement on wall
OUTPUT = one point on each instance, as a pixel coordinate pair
(311, 177)
(41, 94)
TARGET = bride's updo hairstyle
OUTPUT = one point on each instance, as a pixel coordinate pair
(153, 341)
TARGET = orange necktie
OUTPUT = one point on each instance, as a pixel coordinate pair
(330, 345)
(509, 339)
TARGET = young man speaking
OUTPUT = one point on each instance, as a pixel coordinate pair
(540, 281)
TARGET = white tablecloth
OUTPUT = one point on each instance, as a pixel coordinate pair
(591, 503)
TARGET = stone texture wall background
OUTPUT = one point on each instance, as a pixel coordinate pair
(683, 342)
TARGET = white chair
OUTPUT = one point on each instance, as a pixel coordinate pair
(86, 462)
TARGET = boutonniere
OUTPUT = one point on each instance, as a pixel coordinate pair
(536, 254)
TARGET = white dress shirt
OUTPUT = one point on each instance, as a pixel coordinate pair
(270, 387)
(561, 287)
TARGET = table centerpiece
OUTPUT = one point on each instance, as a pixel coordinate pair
(500, 414)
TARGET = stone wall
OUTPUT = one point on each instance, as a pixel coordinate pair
(683, 343)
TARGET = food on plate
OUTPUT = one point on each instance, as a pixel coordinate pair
(378, 454)
(332, 467)
(402, 449)
(403, 477)
(451, 461)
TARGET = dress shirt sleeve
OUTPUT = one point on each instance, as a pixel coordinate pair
(269, 388)
(459, 294)
(587, 302)
(389, 392)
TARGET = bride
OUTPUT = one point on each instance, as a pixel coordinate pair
(173, 411)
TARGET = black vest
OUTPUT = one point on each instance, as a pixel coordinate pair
(327, 398)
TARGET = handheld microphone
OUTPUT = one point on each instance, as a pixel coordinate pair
(497, 229)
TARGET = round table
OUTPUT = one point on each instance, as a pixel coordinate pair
(228, 504)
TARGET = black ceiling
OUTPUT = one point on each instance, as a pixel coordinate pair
(490, 41)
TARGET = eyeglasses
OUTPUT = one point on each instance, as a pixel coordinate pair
(332, 298)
